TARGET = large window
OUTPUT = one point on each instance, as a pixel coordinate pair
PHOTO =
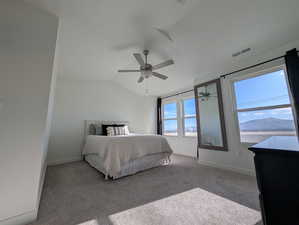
(170, 119)
(263, 106)
(189, 119)
(179, 117)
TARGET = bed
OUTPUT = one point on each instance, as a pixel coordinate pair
(123, 155)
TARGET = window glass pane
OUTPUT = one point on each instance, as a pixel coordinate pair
(265, 90)
(170, 110)
(189, 107)
(255, 126)
(170, 127)
(190, 127)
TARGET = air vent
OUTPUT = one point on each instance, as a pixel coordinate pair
(241, 52)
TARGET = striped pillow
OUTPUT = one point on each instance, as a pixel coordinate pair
(113, 130)
(104, 127)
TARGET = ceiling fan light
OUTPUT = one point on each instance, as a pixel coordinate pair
(146, 73)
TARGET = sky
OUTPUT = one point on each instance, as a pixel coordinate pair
(266, 90)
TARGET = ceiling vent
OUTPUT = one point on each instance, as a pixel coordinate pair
(241, 52)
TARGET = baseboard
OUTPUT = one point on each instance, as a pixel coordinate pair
(41, 184)
(63, 161)
(226, 167)
(22, 219)
(181, 155)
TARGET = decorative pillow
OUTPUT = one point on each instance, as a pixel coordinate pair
(117, 130)
(95, 129)
(104, 127)
(98, 129)
(127, 132)
(92, 129)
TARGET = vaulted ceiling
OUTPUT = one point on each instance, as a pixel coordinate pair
(98, 37)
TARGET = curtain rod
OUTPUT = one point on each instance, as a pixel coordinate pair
(228, 74)
(179, 93)
(249, 67)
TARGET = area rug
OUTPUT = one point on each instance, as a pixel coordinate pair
(193, 207)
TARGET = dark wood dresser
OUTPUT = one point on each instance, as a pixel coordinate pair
(277, 171)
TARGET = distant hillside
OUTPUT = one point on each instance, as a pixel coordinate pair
(268, 124)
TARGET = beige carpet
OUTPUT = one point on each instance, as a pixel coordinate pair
(194, 207)
(75, 193)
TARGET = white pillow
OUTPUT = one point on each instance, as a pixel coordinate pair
(127, 132)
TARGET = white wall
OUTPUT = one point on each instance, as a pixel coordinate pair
(238, 158)
(183, 145)
(27, 43)
(77, 100)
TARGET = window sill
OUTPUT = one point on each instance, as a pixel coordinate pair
(168, 135)
(178, 136)
(247, 144)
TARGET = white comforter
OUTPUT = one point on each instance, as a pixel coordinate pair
(116, 151)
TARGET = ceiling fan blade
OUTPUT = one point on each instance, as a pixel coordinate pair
(161, 76)
(141, 78)
(165, 33)
(163, 64)
(128, 71)
(139, 59)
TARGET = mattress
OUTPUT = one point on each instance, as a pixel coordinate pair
(132, 167)
(117, 151)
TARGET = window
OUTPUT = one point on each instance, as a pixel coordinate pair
(263, 107)
(170, 121)
(179, 117)
(189, 117)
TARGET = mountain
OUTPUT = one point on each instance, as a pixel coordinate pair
(267, 124)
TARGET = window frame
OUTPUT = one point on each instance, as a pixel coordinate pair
(176, 118)
(249, 76)
(179, 100)
(183, 116)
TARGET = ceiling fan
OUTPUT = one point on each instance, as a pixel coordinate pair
(146, 69)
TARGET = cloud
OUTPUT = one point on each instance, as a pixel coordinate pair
(259, 113)
(281, 111)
